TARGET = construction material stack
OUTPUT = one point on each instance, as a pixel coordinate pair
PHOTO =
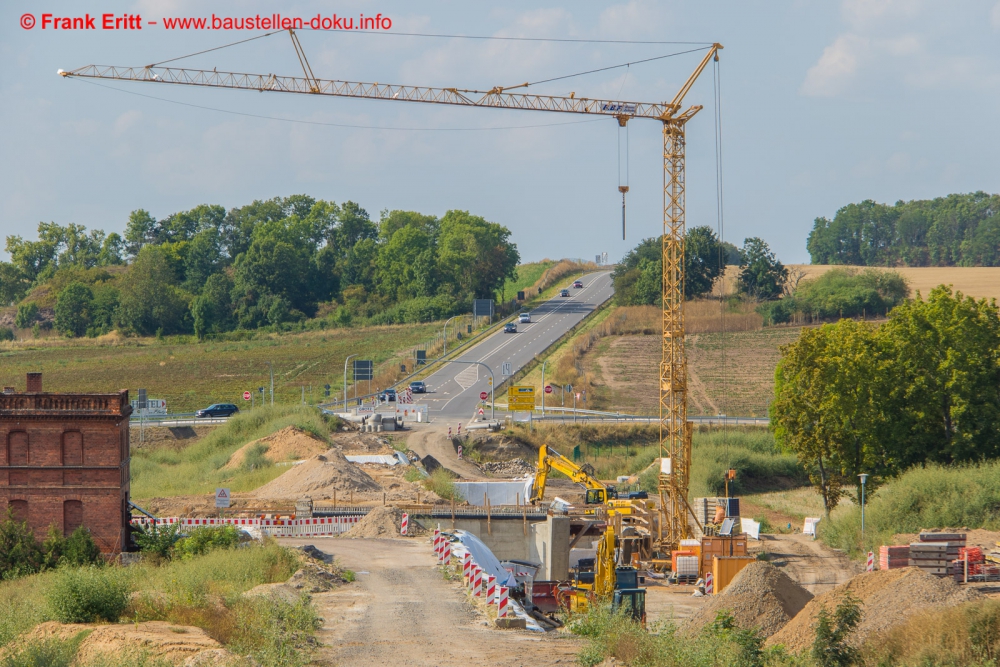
(893, 557)
(972, 565)
(935, 551)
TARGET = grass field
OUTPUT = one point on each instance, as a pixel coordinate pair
(164, 471)
(527, 275)
(191, 375)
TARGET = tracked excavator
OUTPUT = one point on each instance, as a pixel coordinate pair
(607, 582)
(597, 492)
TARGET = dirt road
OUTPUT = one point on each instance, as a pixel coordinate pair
(815, 566)
(401, 611)
(433, 439)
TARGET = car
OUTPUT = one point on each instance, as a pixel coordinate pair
(218, 410)
(388, 395)
(418, 387)
(510, 327)
(524, 318)
(565, 292)
(578, 284)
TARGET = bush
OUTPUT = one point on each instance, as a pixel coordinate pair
(27, 313)
(19, 552)
(255, 458)
(79, 549)
(157, 540)
(89, 594)
(6, 333)
(205, 539)
(441, 483)
(831, 647)
(52, 652)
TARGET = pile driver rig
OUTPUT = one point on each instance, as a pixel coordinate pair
(675, 430)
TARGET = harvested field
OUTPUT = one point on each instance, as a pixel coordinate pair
(761, 596)
(289, 444)
(383, 521)
(318, 478)
(888, 598)
(982, 282)
(730, 373)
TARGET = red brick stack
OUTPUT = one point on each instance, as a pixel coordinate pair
(893, 557)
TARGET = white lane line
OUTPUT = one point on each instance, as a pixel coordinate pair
(468, 377)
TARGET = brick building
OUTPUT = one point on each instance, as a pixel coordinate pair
(64, 460)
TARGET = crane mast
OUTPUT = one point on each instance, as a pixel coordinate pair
(675, 430)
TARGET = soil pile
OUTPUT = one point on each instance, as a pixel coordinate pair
(318, 478)
(888, 598)
(382, 521)
(512, 468)
(760, 596)
(176, 644)
(289, 444)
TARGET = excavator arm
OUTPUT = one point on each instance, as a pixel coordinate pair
(549, 459)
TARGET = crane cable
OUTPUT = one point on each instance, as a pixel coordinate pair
(721, 231)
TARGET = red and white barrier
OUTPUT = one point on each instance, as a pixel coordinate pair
(871, 562)
(446, 553)
(502, 593)
(477, 586)
(404, 525)
(317, 527)
(709, 584)
(466, 566)
(491, 587)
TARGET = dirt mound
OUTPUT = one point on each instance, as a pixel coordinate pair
(318, 478)
(382, 521)
(177, 644)
(289, 444)
(512, 468)
(760, 596)
(888, 597)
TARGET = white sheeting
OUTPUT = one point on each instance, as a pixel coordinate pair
(507, 492)
(484, 558)
(384, 459)
(751, 527)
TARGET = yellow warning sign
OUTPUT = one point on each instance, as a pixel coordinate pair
(520, 397)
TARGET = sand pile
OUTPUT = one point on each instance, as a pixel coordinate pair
(318, 478)
(382, 521)
(888, 597)
(760, 596)
(289, 444)
(176, 644)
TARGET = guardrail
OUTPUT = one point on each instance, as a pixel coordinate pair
(181, 419)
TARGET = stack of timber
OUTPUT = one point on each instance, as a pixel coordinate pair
(893, 557)
(935, 551)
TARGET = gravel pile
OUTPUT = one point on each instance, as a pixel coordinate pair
(512, 468)
(761, 596)
(382, 521)
(318, 478)
(888, 598)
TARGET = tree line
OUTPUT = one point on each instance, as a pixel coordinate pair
(853, 398)
(638, 278)
(270, 263)
(957, 230)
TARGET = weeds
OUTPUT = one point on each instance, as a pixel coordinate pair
(89, 594)
(441, 483)
(51, 652)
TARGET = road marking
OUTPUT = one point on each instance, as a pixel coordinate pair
(468, 377)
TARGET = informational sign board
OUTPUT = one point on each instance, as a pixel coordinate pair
(506, 368)
(520, 397)
(482, 308)
(363, 370)
(222, 498)
(153, 407)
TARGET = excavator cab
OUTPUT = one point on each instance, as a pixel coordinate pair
(596, 496)
(632, 601)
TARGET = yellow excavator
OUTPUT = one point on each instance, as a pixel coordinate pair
(598, 493)
(607, 583)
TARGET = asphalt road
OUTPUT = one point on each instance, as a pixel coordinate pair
(453, 392)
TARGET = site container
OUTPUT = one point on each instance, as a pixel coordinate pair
(724, 568)
(735, 545)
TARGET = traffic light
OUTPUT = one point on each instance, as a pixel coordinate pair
(326, 390)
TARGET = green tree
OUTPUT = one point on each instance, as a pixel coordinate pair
(112, 250)
(832, 647)
(27, 314)
(149, 299)
(19, 552)
(73, 309)
(638, 278)
(103, 309)
(762, 276)
(14, 284)
(139, 231)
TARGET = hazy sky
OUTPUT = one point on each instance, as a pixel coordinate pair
(823, 103)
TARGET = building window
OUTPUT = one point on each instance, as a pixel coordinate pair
(20, 508)
(17, 449)
(72, 516)
(72, 453)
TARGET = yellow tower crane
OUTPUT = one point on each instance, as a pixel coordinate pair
(675, 430)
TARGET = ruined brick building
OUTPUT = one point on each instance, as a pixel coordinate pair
(64, 460)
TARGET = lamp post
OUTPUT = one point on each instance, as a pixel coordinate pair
(345, 379)
(271, 369)
(445, 334)
(543, 386)
(864, 478)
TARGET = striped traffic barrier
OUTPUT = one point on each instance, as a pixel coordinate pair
(446, 553)
(871, 562)
(709, 584)
(437, 543)
(466, 566)
(502, 593)
(478, 588)
(491, 587)
(404, 524)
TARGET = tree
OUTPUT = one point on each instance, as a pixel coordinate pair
(704, 261)
(149, 299)
(638, 278)
(14, 284)
(831, 647)
(762, 276)
(139, 231)
(27, 314)
(73, 309)
(103, 309)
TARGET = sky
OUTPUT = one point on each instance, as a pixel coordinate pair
(821, 104)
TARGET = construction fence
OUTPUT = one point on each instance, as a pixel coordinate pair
(313, 527)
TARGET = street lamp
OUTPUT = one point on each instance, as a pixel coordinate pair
(271, 368)
(543, 386)
(345, 379)
(864, 478)
(445, 334)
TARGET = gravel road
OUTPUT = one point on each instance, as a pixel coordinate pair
(433, 439)
(813, 565)
(401, 611)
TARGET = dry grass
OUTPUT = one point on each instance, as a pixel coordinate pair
(976, 281)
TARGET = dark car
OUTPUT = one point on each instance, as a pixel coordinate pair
(418, 387)
(388, 395)
(565, 292)
(578, 284)
(218, 410)
(510, 327)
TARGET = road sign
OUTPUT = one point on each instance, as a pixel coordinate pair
(246, 396)
(520, 397)
(506, 368)
(483, 395)
(222, 497)
(568, 388)
(363, 370)
(548, 389)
